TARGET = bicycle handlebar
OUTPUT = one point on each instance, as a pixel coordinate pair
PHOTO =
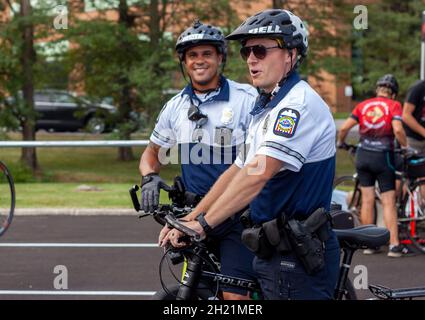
(348, 147)
(408, 152)
(165, 214)
(176, 224)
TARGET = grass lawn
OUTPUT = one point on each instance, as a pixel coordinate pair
(64, 169)
(80, 165)
(61, 195)
(341, 115)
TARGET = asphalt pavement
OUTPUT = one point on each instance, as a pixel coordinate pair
(60, 256)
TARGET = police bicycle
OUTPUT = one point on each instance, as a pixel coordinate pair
(7, 198)
(410, 197)
(201, 277)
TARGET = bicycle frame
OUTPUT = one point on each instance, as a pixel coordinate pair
(193, 274)
(197, 256)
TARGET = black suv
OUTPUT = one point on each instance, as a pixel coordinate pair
(63, 111)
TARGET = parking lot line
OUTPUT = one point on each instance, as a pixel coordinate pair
(78, 245)
(77, 293)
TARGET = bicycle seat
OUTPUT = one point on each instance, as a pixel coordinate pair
(363, 237)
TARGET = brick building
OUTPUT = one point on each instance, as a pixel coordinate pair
(331, 89)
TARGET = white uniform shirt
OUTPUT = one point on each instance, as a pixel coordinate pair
(299, 131)
(207, 152)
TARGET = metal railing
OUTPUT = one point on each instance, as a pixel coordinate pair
(76, 143)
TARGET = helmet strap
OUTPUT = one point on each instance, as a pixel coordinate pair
(182, 71)
(286, 76)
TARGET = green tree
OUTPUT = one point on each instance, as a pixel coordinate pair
(390, 44)
(133, 59)
(19, 70)
(127, 59)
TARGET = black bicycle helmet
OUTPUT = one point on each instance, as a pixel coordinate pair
(388, 81)
(275, 23)
(199, 34)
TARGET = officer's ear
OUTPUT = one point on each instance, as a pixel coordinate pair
(219, 55)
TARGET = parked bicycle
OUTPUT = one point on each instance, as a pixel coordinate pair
(7, 198)
(410, 196)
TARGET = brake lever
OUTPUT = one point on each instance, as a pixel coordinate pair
(144, 215)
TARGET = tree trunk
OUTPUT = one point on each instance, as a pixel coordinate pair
(154, 24)
(279, 4)
(29, 155)
(126, 20)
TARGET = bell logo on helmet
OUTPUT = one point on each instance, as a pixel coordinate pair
(193, 37)
(269, 29)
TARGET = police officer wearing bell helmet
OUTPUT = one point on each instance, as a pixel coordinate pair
(289, 168)
(206, 122)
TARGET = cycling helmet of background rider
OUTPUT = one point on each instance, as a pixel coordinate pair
(282, 25)
(199, 34)
(388, 81)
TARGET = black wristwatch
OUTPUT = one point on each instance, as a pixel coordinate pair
(204, 224)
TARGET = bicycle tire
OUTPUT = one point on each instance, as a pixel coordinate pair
(350, 292)
(414, 226)
(7, 198)
(171, 294)
(349, 182)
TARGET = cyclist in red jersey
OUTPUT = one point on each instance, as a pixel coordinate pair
(379, 120)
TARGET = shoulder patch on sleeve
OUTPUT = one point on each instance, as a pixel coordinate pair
(286, 122)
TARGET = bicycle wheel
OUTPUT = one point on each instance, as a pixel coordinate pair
(412, 216)
(7, 198)
(346, 192)
(350, 292)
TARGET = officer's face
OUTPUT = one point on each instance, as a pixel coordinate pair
(267, 72)
(202, 64)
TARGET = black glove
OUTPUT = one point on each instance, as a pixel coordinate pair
(151, 184)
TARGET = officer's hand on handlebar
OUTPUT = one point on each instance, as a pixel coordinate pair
(151, 184)
(163, 234)
(174, 237)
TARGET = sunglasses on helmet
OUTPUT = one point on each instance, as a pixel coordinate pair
(259, 51)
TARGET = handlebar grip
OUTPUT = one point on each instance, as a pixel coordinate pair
(133, 194)
(159, 219)
(173, 222)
